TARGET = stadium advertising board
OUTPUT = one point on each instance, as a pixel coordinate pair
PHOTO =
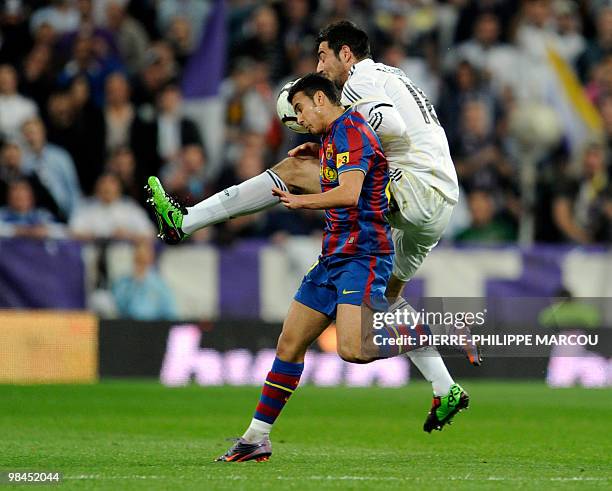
(48, 347)
(239, 353)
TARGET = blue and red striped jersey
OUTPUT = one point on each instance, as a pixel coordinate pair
(350, 144)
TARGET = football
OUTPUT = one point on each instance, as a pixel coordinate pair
(286, 112)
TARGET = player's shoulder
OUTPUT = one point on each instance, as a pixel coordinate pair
(369, 69)
(352, 118)
(354, 128)
(367, 80)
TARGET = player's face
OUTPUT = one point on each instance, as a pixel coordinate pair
(331, 66)
(308, 113)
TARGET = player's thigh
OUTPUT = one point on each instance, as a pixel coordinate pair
(348, 327)
(301, 175)
(301, 327)
(354, 333)
(413, 242)
(360, 285)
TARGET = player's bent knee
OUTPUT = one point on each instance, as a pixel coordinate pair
(290, 349)
(353, 355)
(299, 174)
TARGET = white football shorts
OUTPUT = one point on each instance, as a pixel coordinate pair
(422, 216)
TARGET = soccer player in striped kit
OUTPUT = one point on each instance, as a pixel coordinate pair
(356, 258)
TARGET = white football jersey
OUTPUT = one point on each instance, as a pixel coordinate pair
(406, 123)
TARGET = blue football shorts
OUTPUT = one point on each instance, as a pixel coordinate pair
(350, 279)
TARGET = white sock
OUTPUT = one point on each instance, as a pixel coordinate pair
(248, 197)
(430, 364)
(427, 359)
(257, 431)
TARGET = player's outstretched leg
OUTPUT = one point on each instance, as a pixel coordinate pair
(445, 407)
(169, 212)
(301, 175)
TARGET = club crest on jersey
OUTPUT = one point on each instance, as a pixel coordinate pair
(341, 159)
(329, 152)
(328, 174)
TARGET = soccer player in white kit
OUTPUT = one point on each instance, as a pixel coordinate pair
(424, 183)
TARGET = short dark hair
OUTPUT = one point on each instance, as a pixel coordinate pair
(312, 83)
(343, 33)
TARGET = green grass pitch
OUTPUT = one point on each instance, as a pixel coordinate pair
(124, 435)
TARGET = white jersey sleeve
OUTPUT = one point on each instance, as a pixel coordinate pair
(406, 123)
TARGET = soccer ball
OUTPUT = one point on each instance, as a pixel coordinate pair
(286, 112)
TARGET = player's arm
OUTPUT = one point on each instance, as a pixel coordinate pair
(386, 121)
(308, 149)
(345, 195)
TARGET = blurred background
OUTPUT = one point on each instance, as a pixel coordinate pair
(95, 95)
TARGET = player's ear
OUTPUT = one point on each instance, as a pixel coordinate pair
(345, 54)
(319, 98)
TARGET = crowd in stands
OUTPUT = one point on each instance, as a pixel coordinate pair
(91, 104)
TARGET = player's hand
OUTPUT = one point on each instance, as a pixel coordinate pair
(290, 201)
(309, 149)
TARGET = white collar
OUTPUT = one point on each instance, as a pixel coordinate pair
(364, 62)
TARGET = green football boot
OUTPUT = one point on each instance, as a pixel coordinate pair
(445, 407)
(168, 211)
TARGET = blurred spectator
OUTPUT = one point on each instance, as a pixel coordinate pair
(581, 206)
(14, 108)
(470, 11)
(596, 48)
(479, 157)
(195, 11)
(21, 218)
(569, 29)
(160, 68)
(298, 33)
(44, 35)
(487, 227)
(600, 83)
(536, 37)
(123, 165)
(484, 51)
(81, 137)
(53, 166)
(84, 63)
(465, 85)
(103, 41)
(185, 177)
(11, 170)
(249, 107)
(262, 42)
(180, 38)
(172, 129)
(144, 295)
(119, 113)
(110, 215)
(37, 74)
(336, 10)
(146, 13)
(60, 15)
(605, 107)
(15, 39)
(124, 128)
(130, 36)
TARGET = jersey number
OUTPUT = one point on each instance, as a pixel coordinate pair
(426, 107)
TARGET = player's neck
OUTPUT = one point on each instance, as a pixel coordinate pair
(334, 114)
